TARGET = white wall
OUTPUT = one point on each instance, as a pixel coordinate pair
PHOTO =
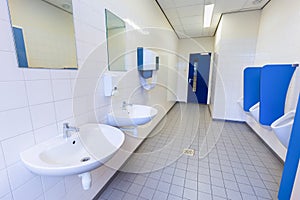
(34, 103)
(48, 33)
(234, 50)
(185, 48)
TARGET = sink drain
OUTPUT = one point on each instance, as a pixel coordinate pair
(85, 159)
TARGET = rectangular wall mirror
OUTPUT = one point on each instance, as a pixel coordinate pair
(116, 41)
(44, 33)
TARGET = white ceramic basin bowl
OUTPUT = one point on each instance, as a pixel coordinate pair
(82, 152)
(133, 115)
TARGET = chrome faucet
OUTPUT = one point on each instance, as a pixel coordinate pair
(67, 129)
(124, 105)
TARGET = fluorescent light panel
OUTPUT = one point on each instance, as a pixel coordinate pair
(208, 11)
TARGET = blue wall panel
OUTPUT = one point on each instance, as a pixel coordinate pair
(291, 161)
(274, 83)
(251, 87)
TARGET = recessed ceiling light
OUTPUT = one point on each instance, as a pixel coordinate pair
(208, 12)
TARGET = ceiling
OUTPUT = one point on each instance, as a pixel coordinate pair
(186, 16)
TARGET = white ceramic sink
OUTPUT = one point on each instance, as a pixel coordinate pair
(134, 115)
(82, 152)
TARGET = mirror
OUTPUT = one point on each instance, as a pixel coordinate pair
(116, 41)
(44, 33)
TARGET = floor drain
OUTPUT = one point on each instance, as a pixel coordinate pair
(189, 152)
(85, 159)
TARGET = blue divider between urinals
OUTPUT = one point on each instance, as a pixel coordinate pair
(251, 87)
(292, 160)
(274, 84)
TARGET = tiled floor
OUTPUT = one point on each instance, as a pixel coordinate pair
(230, 162)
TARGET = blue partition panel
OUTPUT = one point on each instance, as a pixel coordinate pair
(291, 160)
(274, 83)
(20, 47)
(251, 87)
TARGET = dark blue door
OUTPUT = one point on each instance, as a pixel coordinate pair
(199, 66)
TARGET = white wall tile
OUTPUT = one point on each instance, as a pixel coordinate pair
(36, 74)
(30, 190)
(39, 91)
(6, 40)
(7, 197)
(45, 133)
(64, 109)
(57, 192)
(42, 115)
(9, 67)
(73, 74)
(4, 14)
(90, 16)
(2, 161)
(15, 95)
(41, 197)
(4, 183)
(61, 89)
(12, 147)
(60, 74)
(18, 174)
(14, 122)
(50, 181)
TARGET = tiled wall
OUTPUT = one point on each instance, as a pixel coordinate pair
(234, 50)
(34, 103)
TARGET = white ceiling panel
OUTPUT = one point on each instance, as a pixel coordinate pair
(167, 4)
(175, 21)
(184, 3)
(190, 10)
(192, 20)
(171, 13)
(186, 16)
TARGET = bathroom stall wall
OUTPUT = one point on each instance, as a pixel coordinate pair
(235, 45)
(34, 103)
(185, 48)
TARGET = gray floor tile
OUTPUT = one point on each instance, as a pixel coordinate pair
(233, 195)
(147, 193)
(176, 190)
(160, 195)
(203, 195)
(190, 194)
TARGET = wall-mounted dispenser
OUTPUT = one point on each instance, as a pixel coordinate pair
(148, 65)
(110, 81)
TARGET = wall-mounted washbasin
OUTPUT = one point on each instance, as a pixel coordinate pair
(81, 152)
(131, 115)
